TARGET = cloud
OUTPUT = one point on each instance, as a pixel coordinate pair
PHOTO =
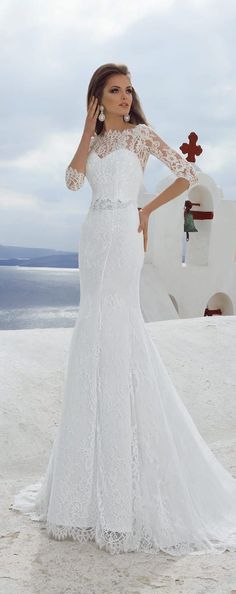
(103, 19)
(47, 156)
(10, 200)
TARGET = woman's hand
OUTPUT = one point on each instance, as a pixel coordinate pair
(92, 115)
(144, 217)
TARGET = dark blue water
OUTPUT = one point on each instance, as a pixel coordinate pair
(38, 297)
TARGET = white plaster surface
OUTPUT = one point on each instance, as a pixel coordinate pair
(200, 355)
(208, 278)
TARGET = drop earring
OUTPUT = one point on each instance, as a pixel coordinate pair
(101, 116)
(126, 118)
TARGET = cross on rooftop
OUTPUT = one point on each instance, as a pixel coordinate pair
(192, 148)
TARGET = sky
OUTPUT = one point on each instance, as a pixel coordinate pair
(180, 54)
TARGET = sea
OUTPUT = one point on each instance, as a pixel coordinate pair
(38, 297)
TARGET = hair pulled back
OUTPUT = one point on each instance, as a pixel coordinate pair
(97, 84)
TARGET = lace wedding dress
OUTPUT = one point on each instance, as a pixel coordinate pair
(128, 468)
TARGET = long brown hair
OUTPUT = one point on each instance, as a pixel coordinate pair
(97, 84)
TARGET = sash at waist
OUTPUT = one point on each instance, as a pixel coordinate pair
(107, 203)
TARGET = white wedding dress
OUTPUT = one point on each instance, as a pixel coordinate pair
(128, 468)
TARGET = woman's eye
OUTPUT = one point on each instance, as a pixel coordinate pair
(129, 90)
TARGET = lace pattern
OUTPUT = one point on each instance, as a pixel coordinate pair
(141, 140)
(141, 542)
(178, 507)
(106, 203)
(170, 157)
(74, 179)
(128, 468)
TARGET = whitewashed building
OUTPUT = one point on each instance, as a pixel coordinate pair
(181, 279)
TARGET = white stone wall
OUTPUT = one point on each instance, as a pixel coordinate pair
(208, 276)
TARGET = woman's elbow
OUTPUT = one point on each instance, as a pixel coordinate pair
(183, 183)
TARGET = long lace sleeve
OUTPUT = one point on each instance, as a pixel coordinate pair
(75, 179)
(177, 164)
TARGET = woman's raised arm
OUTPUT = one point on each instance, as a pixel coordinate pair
(75, 172)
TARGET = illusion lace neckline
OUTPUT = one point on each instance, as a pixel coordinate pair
(110, 132)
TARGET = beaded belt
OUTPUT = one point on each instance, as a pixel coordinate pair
(106, 203)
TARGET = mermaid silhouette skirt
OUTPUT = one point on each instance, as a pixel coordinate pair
(128, 468)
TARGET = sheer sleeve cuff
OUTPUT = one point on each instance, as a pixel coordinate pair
(74, 179)
(188, 172)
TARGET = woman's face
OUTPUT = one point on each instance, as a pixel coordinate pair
(117, 95)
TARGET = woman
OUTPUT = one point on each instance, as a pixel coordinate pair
(128, 468)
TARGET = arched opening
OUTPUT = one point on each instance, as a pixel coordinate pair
(174, 303)
(197, 248)
(219, 304)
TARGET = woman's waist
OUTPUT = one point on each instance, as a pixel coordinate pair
(101, 202)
